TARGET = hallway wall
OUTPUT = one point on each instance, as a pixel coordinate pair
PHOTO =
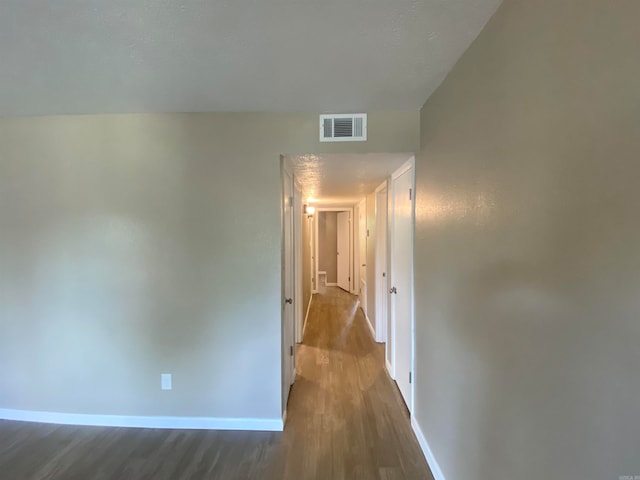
(128, 246)
(527, 265)
(307, 282)
(328, 245)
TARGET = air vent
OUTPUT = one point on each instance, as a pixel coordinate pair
(350, 127)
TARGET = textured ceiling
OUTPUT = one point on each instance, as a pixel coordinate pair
(120, 56)
(342, 179)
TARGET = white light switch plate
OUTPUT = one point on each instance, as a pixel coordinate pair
(165, 381)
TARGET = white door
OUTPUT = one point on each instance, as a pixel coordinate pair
(288, 312)
(297, 262)
(382, 289)
(401, 279)
(312, 249)
(343, 250)
(362, 253)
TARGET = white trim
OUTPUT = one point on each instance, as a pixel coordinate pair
(412, 166)
(284, 418)
(297, 262)
(327, 284)
(381, 287)
(408, 166)
(288, 332)
(381, 187)
(285, 166)
(388, 365)
(373, 332)
(367, 321)
(405, 166)
(351, 232)
(128, 421)
(436, 471)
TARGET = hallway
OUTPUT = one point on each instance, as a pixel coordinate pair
(345, 410)
(346, 421)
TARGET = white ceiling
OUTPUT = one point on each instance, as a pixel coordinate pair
(120, 56)
(342, 179)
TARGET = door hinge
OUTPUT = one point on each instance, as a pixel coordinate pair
(291, 201)
(410, 377)
(367, 232)
(291, 350)
(410, 192)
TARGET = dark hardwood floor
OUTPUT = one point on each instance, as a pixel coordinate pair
(346, 421)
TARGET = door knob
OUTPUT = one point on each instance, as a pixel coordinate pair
(288, 300)
(393, 290)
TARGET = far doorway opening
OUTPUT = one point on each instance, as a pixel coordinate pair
(334, 248)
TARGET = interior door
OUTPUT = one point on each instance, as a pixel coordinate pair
(343, 235)
(312, 248)
(401, 280)
(382, 289)
(362, 253)
(288, 283)
(297, 264)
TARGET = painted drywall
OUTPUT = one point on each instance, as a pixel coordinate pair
(328, 245)
(132, 245)
(97, 56)
(527, 265)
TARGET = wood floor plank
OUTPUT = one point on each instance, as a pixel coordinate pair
(346, 420)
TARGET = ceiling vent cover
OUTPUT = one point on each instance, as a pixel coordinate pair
(350, 127)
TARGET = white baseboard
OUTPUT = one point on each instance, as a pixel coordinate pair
(381, 336)
(373, 332)
(306, 317)
(327, 284)
(194, 423)
(428, 454)
(388, 365)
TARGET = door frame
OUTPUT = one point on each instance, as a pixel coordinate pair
(361, 207)
(315, 233)
(287, 330)
(382, 260)
(409, 165)
(297, 262)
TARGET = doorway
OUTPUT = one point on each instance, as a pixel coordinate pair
(361, 263)
(356, 192)
(343, 250)
(401, 213)
(288, 283)
(381, 276)
(334, 247)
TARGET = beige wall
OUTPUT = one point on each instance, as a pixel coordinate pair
(132, 245)
(527, 248)
(328, 245)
